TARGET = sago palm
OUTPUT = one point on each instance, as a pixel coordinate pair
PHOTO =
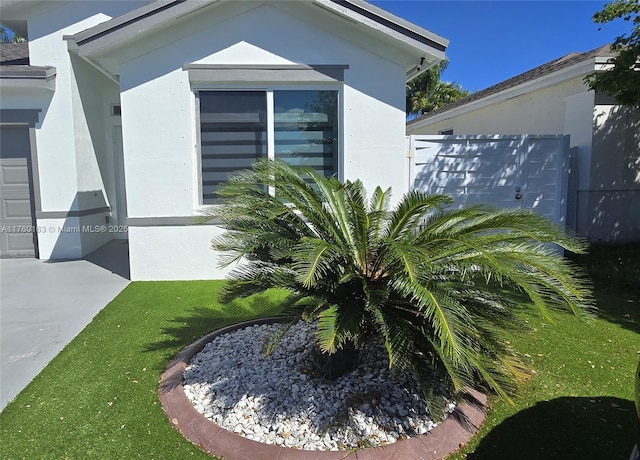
(440, 286)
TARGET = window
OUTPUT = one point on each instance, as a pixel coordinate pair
(446, 132)
(306, 129)
(233, 134)
(235, 128)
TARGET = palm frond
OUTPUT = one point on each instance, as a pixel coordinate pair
(440, 286)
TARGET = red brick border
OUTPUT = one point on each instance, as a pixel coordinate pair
(444, 439)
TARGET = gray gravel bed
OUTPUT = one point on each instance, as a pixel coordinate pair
(273, 400)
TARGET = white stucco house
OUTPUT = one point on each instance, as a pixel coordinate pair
(119, 118)
(553, 99)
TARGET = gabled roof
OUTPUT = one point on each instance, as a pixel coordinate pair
(422, 42)
(549, 68)
(162, 9)
(14, 64)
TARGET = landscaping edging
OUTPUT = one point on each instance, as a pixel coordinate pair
(444, 439)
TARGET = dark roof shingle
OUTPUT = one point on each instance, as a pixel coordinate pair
(14, 53)
(530, 75)
(14, 63)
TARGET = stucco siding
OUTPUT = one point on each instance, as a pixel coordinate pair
(160, 121)
(148, 74)
(174, 253)
(158, 129)
(75, 161)
(157, 98)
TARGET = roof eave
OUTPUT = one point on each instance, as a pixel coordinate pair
(140, 16)
(428, 47)
(28, 77)
(420, 41)
(362, 9)
(578, 69)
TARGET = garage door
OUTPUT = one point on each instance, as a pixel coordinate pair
(507, 171)
(17, 236)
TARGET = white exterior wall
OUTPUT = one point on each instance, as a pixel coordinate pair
(16, 97)
(541, 111)
(159, 121)
(74, 156)
(613, 200)
(174, 253)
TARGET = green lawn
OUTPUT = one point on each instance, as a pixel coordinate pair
(579, 405)
(98, 398)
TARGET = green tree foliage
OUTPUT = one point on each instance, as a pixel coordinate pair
(6, 36)
(623, 80)
(427, 92)
(440, 286)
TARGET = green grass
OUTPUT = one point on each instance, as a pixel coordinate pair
(98, 398)
(579, 404)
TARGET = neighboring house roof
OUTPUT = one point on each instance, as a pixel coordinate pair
(14, 53)
(14, 64)
(423, 43)
(564, 62)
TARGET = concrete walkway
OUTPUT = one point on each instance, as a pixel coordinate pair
(45, 304)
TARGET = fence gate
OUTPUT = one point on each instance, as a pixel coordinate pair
(524, 171)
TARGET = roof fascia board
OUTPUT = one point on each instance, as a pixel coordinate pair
(397, 23)
(144, 18)
(126, 19)
(424, 42)
(604, 59)
(40, 79)
(386, 49)
(29, 73)
(110, 32)
(581, 68)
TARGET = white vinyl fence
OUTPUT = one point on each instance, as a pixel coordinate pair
(519, 171)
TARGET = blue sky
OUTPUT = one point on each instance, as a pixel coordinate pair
(491, 41)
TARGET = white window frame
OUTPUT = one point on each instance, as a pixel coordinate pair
(269, 90)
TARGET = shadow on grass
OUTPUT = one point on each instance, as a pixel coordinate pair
(199, 321)
(615, 272)
(563, 428)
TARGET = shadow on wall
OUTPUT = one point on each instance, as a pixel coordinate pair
(614, 196)
(94, 155)
(87, 224)
(585, 428)
(472, 172)
(256, 30)
(509, 171)
(84, 229)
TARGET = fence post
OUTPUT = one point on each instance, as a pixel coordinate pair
(410, 155)
(572, 189)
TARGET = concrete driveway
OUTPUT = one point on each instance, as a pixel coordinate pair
(44, 305)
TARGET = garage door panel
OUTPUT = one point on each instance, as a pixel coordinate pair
(13, 209)
(16, 174)
(21, 242)
(17, 238)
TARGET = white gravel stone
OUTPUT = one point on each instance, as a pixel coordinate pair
(272, 400)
